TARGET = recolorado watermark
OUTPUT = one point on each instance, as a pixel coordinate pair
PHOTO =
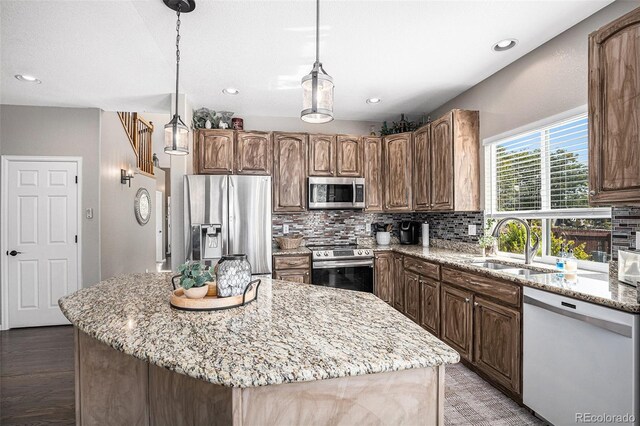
(604, 418)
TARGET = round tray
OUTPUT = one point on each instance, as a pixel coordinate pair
(211, 302)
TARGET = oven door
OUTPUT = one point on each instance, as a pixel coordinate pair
(346, 274)
(336, 193)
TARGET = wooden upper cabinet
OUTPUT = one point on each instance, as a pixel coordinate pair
(614, 112)
(349, 156)
(373, 198)
(289, 172)
(384, 276)
(213, 152)
(422, 169)
(442, 164)
(456, 319)
(253, 153)
(322, 155)
(397, 165)
(497, 344)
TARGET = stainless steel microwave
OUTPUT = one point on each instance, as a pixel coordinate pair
(336, 193)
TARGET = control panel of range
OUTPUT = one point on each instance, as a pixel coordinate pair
(341, 254)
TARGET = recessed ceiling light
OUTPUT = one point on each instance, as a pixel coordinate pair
(27, 78)
(230, 91)
(374, 100)
(505, 44)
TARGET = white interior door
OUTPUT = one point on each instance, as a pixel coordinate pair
(159, 226)
(41, 240)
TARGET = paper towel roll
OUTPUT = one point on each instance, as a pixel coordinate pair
(425, 235)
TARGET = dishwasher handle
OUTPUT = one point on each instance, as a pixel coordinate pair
(621, 329)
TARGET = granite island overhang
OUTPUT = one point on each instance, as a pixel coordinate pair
(300, 354)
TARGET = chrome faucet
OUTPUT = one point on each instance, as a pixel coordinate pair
(529, 251)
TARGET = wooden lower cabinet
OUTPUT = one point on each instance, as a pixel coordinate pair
(383, 285)
(456, 319)
(294, 268)
(398, 282)
(497, 348)
(430, 305)
(412, 295)
(293, 275)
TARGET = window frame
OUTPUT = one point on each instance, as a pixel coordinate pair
(546, 213)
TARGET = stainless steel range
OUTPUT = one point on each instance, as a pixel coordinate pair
(343, 266)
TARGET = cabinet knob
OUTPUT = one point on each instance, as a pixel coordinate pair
(475, 303)
(466, 300)
(592, 192)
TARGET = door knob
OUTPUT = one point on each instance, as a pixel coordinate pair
(13, 253)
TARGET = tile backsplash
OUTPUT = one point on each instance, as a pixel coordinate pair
(625, 225)
(345, 226)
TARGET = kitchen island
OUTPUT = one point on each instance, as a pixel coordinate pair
(300, 354)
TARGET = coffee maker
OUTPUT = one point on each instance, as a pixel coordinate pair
(408, 232)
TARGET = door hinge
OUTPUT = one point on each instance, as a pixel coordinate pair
(76, 179)
(76, 239)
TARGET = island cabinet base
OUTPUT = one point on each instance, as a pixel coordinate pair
(113, 388)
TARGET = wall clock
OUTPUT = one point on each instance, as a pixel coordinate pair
(142, 206)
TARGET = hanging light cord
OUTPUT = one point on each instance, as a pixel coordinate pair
(317, 31)
(177, 56)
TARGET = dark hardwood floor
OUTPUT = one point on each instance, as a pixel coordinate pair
(37, 376)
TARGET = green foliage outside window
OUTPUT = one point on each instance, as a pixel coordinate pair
(513, 237)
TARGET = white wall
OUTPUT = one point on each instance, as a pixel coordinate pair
(32, 130)
(548, 81)
(126, 246)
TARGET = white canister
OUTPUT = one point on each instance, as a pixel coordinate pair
(383, 238)
(425, 235)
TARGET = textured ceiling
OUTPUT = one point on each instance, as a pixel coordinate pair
(119, 55)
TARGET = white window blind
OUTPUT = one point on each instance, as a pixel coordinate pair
(541, 173)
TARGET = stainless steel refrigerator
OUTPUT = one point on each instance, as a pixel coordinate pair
(228, 215)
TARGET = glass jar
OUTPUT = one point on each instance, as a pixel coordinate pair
(233, 274)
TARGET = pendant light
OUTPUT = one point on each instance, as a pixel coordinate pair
(317, 87)
(176, 133)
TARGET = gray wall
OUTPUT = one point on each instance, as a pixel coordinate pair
(549, 80)
(47, 131)
(126, 246)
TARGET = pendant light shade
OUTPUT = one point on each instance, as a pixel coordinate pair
(317, 87)
(176, 137)
(176, 133)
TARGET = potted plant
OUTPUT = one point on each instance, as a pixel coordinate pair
(194, 279)
(487, 241)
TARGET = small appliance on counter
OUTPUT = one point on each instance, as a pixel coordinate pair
(629, 267)
(408, 232)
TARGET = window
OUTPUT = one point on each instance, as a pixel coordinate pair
(542, 175)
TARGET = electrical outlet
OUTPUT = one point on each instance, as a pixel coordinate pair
(638, 240)
(285, 229)
(367, 228)
(472, 230)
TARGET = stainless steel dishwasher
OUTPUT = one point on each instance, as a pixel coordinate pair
(580, 361)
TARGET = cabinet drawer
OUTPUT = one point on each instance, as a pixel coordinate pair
(291, 262)
(491, 287)
(422, 267)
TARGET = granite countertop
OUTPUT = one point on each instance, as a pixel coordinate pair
(292, 333)
(283, 252)
(592, 287)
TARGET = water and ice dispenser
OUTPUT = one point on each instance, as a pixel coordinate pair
(206, 242)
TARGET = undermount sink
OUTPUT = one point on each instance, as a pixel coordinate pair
(508, 269)
(522, 272)
(492, 265)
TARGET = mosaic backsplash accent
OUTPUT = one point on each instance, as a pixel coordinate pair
(345, 226)
(625, 224)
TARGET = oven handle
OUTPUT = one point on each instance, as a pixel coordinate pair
(331, 264)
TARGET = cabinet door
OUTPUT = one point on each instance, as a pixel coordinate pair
(214, 154)
(442, 163)
(398, 282)
(412, 295)
(322, 155)
(293, 275)
(614, 112)
(253, 153)
(349, 156)
(455, 319)
(422, 169)
(430, 305)
(373, 174)
(289, 172)
(397, 172)
(384, 276)
(497, 342)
